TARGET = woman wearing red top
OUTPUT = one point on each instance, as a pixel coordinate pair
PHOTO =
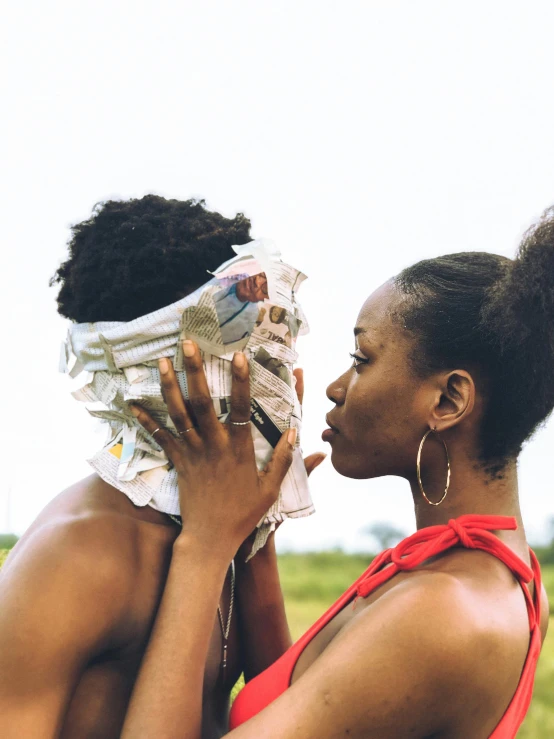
(453, 369)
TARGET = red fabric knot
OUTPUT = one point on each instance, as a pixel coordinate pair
(461, 533)
(471, 531)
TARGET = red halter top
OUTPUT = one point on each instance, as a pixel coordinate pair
(470, 531)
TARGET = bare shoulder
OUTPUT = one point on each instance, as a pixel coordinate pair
(404, 666)
(91, 545)
(80, 555)
(85, 526)
(428, 622)
(486, 597)
(79, 534)
(434, 608)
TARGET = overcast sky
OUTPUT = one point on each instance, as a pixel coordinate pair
(361, 136)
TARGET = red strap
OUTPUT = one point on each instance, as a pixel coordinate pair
(469, 531)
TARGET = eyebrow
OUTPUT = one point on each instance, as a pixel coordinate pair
(359, 330)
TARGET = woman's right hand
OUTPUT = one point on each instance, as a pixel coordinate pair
(222, 494)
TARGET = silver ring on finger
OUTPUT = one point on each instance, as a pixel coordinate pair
(240, 423)
(186, 431)
(155, 431)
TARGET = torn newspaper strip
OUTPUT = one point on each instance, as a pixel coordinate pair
(249, 305)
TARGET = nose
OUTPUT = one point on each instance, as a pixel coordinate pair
(336, 391)
(260, 283)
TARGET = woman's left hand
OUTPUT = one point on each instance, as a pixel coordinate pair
(222, 495)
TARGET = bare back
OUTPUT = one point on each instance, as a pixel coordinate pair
(95, 567)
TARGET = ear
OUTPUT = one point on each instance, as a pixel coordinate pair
(455, 400)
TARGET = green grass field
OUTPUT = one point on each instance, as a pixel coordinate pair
(312, 582)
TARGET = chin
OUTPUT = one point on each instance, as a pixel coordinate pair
(351, 466)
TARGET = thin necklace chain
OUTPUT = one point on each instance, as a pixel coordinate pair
(225, 628)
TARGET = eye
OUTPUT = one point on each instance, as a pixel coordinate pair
(358, 360)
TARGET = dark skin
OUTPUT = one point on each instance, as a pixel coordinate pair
(80, 593)
(437, 652)
(252, 289)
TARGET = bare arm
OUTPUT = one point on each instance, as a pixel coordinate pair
(211, 460)
(167, 696)
(265, 634)
(57, 613)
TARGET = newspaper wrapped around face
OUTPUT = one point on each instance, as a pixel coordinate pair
(249, 305)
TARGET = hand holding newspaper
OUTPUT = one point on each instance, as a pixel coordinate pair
(250, 306)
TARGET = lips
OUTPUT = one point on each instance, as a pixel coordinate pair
(331, 425)
(330, 433)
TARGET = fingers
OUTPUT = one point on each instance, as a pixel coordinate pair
(312, 461)
(199, 395)
(162, 436)
(299, 374)
(239, 420)
(175, 402)
(275, 472)
(240, 393)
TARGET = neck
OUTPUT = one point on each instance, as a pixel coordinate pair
(471, 490)
(120, 502)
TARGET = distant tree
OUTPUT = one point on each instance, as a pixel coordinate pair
(384, 533)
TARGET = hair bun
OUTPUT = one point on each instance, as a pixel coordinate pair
(532, 274)
(520, 308)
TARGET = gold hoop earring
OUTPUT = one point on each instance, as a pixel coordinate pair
(418, 468)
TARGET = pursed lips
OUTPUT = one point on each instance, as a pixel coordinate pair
(331, 425)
